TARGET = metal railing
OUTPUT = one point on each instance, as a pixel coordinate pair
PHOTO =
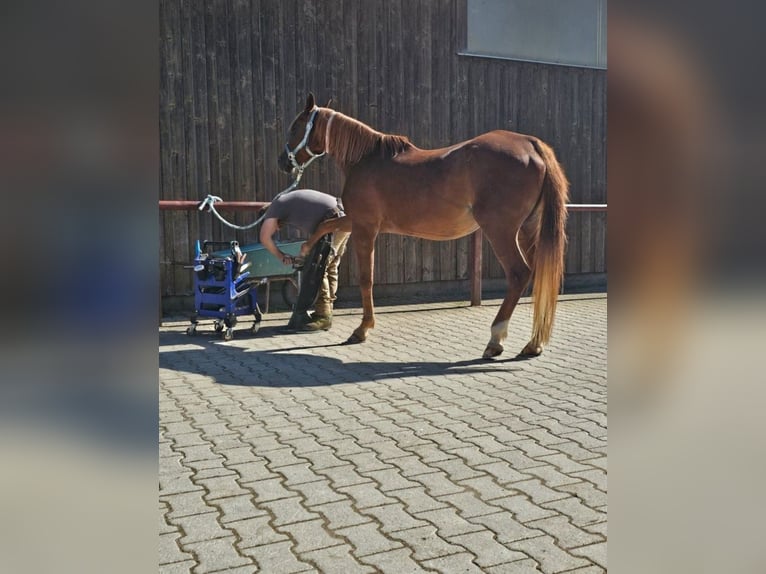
(475, 264)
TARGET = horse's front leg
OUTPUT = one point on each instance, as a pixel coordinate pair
(342, 223)
(364, 246)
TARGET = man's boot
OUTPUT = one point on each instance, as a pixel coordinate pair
(321, 320)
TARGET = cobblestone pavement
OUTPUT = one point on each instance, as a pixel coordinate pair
(285, 453)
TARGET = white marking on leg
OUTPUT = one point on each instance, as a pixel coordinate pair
(499, 332)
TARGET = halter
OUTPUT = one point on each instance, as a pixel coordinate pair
(303, 145)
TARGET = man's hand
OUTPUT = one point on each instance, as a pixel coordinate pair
(287, 259)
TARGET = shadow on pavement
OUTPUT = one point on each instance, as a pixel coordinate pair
(289, 367)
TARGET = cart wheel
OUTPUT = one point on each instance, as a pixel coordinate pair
(228, 334)
(218, 326)
(191, 329)
(290, 291)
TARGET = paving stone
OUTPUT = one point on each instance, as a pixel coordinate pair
(593, 552)
(184, 567)
(425, 543)
(597, 528)
(551, 477)
(448, 522)
(596, 476)
(169, 550)
(177, 483)
(519, 460)
(183, 442)
(486, 488)
(205, 466)
(526, 566)
(544, 437)
(390, 479)
(488, 551)
(456, 469)
(502, 472)
(197, 452)
(366, 495)
(429, 453)
(586, 492)
(468, 504)
(277, 557)
(587, 570)
(446, 440)
(236, 508)
(551, 558)
(298, 474)
(282, 457)
(340, 514)
(255, 531)
(600, 462)
(217, 554)
(462, 563)
(318, 492)
(164, 526)
(309, 535)
(288, 510)
(201, 527)
(564, 532)
(394, 562)
(367, 539)
(522, 508)
(185, 504)
(505, 527)
(337, 559)
(537, 491)
(366, 461)
(392, 517)
(222, 487)
(586, 440)
(578, 513)
(269, 489)
(387, 450)
(571, 452)
(417, 500)
(252, 471)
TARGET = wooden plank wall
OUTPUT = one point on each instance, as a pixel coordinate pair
(234, 73)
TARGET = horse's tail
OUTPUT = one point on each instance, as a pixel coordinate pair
(548, 266)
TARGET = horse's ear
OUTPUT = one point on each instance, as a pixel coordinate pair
(329, 103)
(310, 102)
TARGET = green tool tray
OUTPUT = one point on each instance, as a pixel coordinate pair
(263, 263)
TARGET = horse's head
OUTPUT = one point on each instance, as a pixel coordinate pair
(302, 145)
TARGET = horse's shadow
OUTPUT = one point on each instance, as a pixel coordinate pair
(298, 366)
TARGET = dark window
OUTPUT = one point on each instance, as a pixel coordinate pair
(568, 32)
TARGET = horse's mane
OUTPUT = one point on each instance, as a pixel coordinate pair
(351, 140)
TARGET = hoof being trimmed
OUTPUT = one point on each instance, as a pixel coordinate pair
(492, 350)
(531, 350)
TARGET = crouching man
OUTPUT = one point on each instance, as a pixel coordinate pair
(306, 209)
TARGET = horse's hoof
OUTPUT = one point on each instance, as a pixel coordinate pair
(492, 350)
(354, 339)
(531, 350)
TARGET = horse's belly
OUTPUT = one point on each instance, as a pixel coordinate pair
(432, 228)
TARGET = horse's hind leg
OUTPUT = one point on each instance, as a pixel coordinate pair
(517, 272)
(364, 246)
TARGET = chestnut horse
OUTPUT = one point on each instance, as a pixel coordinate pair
(509, 185)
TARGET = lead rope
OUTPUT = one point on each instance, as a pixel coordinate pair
(210, 201)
